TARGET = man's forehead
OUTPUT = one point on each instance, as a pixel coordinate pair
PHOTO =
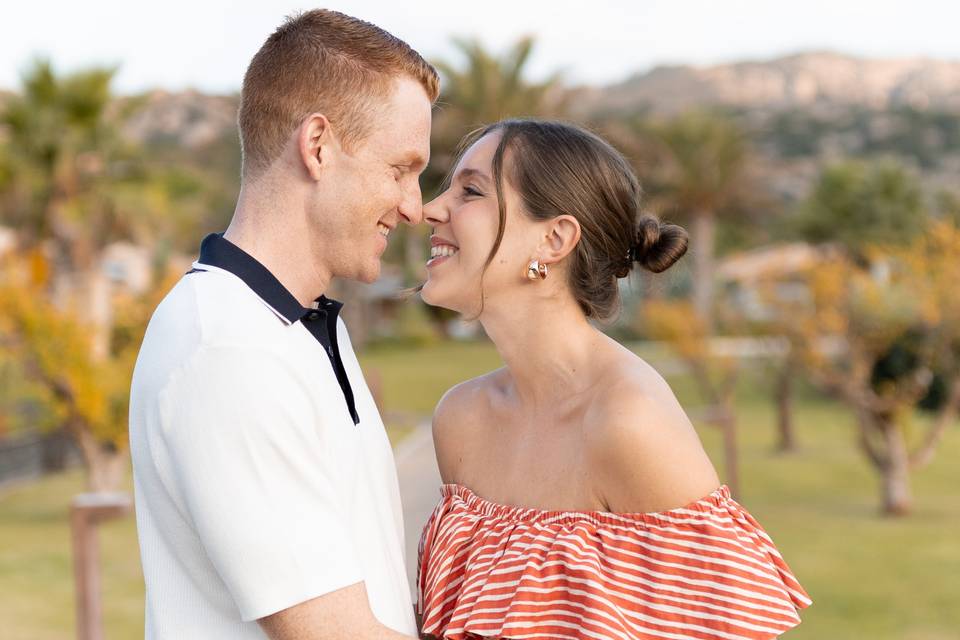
(404, 124)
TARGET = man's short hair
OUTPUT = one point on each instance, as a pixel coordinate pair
(321, 61)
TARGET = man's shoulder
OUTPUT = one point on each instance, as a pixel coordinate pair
(218, 306)
(208, 329)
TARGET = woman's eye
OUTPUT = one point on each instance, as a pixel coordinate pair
(470, 191)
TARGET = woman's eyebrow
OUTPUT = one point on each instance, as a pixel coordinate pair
(469, 172)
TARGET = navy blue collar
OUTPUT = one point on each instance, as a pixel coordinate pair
(217, 251)
(320, 321)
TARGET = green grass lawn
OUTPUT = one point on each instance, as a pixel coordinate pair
(869, 577)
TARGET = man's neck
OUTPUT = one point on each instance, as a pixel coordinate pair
(271, 227)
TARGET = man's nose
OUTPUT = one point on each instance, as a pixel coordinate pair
(411, 208)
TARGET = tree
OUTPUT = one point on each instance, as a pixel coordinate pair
(73, 186)
(859, 205)
(487, 88)
(882, 334)
(699, 168)
(480, 88)
(88, 396)
(65, 150)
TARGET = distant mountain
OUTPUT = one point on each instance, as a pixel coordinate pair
(806, 80)
(189, 118)
(823, 87)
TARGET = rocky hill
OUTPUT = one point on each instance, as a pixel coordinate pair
(817, 83)
(190, 119)
(807, 80)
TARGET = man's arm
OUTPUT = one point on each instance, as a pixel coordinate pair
(343, 614)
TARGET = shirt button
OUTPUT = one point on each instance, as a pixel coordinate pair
(313, 315)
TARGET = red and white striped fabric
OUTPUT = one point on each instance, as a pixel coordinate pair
(704, 571)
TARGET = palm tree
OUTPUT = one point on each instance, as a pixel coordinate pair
(488, 88)
(481, 88)
(700, 170)
(59, 134)
(67, 160)
(485, 88)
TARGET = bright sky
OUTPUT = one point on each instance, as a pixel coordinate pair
(207, 44)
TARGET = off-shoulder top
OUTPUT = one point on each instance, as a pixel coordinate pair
(707, 571)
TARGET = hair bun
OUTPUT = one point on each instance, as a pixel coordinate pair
(657, 245)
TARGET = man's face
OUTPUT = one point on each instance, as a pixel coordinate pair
(375, 186)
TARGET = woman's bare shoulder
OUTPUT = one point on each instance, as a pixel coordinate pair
(642, 450)
(458, 419)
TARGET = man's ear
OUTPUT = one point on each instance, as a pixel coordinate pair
(562, 236)
(316, 143)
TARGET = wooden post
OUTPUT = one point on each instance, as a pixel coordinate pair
(87, 511)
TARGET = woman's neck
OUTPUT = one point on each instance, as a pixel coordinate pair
(549, 348)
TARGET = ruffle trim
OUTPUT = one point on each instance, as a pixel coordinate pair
(705, 570)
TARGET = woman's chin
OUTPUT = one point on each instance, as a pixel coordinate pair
(432, 296)
(428, 294)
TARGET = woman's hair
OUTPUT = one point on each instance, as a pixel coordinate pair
(559, 168)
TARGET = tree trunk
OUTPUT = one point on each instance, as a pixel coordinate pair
(787, 442)
(702, 246)
(89, 291)
(106, 465)
(94, 290)
(945, 417)
(728, 423)
(721, 412)
(895, 474)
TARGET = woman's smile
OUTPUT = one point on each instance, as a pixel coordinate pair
(440, 251)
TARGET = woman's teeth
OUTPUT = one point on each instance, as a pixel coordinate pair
(383, 229)
(443, 251)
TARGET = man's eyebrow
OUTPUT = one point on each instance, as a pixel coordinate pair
(414, 160)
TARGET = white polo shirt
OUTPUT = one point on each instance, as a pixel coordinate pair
(263, 474)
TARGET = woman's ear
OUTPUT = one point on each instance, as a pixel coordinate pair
(315, 144)
(562, 236)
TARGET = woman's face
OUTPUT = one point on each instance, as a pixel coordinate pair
(465, 219)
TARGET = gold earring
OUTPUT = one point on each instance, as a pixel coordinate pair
(536, 270)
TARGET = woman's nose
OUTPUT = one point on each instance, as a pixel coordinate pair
(435, 212)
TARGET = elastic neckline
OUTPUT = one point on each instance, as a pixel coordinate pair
(481, 506)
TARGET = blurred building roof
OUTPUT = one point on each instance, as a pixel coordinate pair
(770, 262)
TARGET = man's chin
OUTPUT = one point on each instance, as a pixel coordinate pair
(370, 274)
